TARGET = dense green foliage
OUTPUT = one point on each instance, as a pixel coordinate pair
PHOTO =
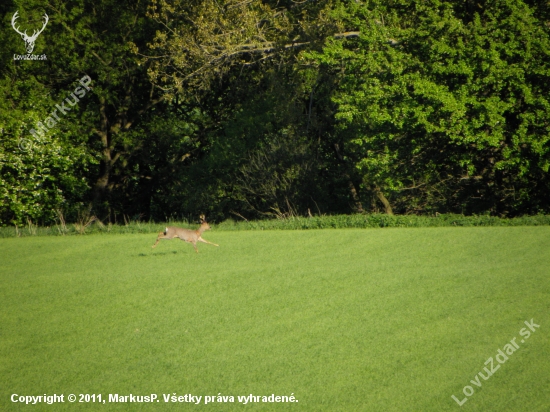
(276, 109)
(408, 323)
(455, 111)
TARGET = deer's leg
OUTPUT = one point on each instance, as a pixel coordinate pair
(195, 246)
(206, 241)
(160, 236)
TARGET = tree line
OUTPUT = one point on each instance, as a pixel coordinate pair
(256, 108)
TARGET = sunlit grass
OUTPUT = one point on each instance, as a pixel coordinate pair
(346, 320)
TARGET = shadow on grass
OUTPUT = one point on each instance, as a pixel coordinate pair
(174, 252)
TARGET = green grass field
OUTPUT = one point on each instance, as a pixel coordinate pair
(345, 320)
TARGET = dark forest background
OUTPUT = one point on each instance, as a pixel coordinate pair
(276, 108)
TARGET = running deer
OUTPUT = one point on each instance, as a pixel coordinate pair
(187, 235)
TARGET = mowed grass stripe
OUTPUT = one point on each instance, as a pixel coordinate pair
(392, 319)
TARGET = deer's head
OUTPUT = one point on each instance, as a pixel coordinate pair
(29, 40)
(204, 224)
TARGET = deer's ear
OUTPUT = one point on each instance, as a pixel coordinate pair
(202, 218)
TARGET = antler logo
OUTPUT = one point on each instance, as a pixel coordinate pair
(29, 40)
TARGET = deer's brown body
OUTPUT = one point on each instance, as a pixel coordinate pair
(187, 235)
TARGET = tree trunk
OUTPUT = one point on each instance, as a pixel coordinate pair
(107, 159)
(100, 187)
(357, 205)
(383, 199)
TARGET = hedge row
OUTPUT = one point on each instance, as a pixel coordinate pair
(360, 221)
